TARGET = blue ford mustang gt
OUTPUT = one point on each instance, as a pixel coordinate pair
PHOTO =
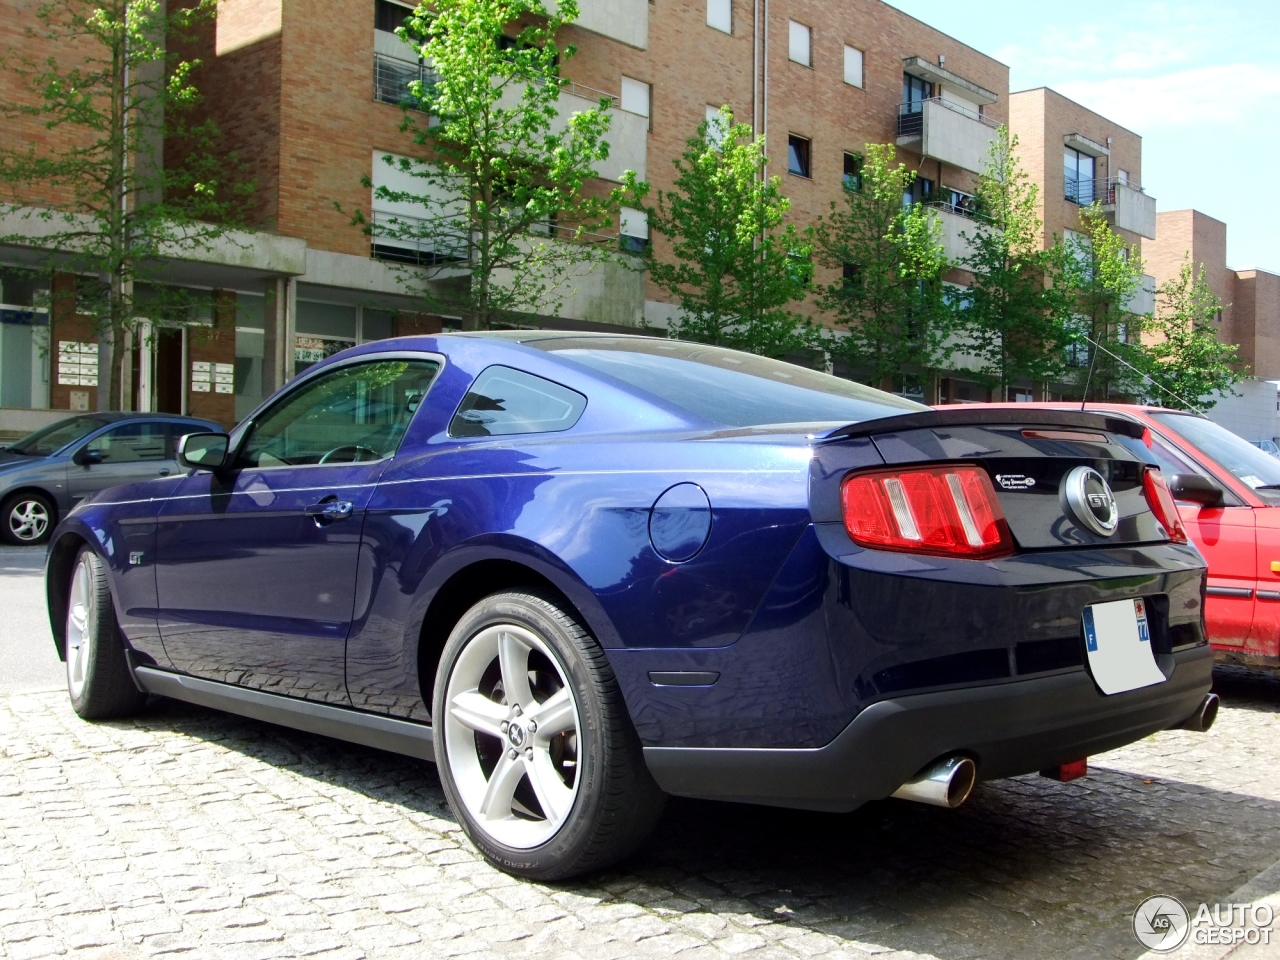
(584, 572)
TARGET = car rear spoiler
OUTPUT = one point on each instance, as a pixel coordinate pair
(965, 416)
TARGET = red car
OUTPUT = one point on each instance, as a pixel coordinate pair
(1228, 494)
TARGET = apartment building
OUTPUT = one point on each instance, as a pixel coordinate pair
(1250, 314)
(306, 93)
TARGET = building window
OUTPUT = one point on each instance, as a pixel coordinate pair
(716, 130)
(633, 230)
(914, 93)
(720, 15)
(853, 172)
(635, 96)
(851, 276)
(798, 156)
(920, 190)
(1078, 171)
(853, 66)
(389, 16)
(800, 44)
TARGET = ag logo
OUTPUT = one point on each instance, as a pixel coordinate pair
(1015, 481)
(1161, 924)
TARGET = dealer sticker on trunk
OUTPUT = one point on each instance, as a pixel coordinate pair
(1117, 639)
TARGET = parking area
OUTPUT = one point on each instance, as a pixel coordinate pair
(193, 833)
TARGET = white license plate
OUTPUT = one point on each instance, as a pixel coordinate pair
(1118, 642)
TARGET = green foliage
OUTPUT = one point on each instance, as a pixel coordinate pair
(1103, 273)
(733, 265)
(118, 98)
(503, 211)
(1186, 360)
(1017, 314)
(891, 301)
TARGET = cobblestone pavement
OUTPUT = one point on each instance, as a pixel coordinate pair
(187, 831)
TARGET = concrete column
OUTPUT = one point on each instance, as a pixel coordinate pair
(280, 322)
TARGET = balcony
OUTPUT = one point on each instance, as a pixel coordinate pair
(626, 21)
(1126, 204)
(392, 77)
(628, 134)
(960, 224)
(947, 131)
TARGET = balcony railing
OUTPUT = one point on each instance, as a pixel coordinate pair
(392, 76)
(911, 116)
(1087, 192)
(423, 241)
(417, 240)
(966, 207)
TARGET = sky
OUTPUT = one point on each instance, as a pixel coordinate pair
(1198, 81)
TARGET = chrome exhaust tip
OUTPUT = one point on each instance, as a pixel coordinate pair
(1205, 715)
(947, 783)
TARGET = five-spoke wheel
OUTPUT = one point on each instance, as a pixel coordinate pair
(27, 519)
(536, 751)
(512, 725)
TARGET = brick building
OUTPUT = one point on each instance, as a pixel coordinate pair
(1250, 314)
(306, 93)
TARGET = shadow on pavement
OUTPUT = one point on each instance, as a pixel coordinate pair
(1028, 868)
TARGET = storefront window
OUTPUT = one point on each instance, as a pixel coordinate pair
(24, 339)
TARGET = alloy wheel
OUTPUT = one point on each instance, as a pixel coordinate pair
(511, 729)
(28, 520)
(79, 628)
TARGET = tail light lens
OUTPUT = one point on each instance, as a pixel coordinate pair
(1161, 502)
(947, 511)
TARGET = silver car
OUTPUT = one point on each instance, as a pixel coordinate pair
(44, 475)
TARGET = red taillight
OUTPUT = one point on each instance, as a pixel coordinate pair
(951, 511)
(1160, 500)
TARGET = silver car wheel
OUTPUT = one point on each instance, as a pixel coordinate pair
(80, 619)
(28, 520)
(511, 735)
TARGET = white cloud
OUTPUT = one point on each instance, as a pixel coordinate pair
(1239, 95)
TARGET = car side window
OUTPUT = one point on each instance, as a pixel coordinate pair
(504, 401)
(130, 443)
(351, 414)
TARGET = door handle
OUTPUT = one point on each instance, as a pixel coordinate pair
(327, 511)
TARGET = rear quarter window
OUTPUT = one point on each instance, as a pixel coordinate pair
(505, 402)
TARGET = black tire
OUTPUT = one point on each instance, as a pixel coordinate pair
(616, 804)
(98, 678)
(27, 519)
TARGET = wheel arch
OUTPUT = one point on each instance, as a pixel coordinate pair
(470, 581)
(57, 584)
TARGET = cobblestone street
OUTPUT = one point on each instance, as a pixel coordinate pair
(187, 831)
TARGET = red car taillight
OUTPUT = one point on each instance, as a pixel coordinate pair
(950, 511)
(1160, 500)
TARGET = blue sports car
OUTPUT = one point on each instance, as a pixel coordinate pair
(584, 572)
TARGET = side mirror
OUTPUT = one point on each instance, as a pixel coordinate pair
(1195, 488)
(86, 457)
(203, 451)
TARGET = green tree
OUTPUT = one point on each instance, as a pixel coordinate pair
(1190, 367)
(1103, 273)
(889, 297)
(504, 219)
(1017, 311)
(138, 180)
(734, 266)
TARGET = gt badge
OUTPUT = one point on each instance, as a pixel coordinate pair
(1088, 500)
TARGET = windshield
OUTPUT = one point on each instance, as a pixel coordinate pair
(729, 388)
(1252, 467)
(50, 440)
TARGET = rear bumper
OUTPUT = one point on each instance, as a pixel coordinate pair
(1009, 729)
